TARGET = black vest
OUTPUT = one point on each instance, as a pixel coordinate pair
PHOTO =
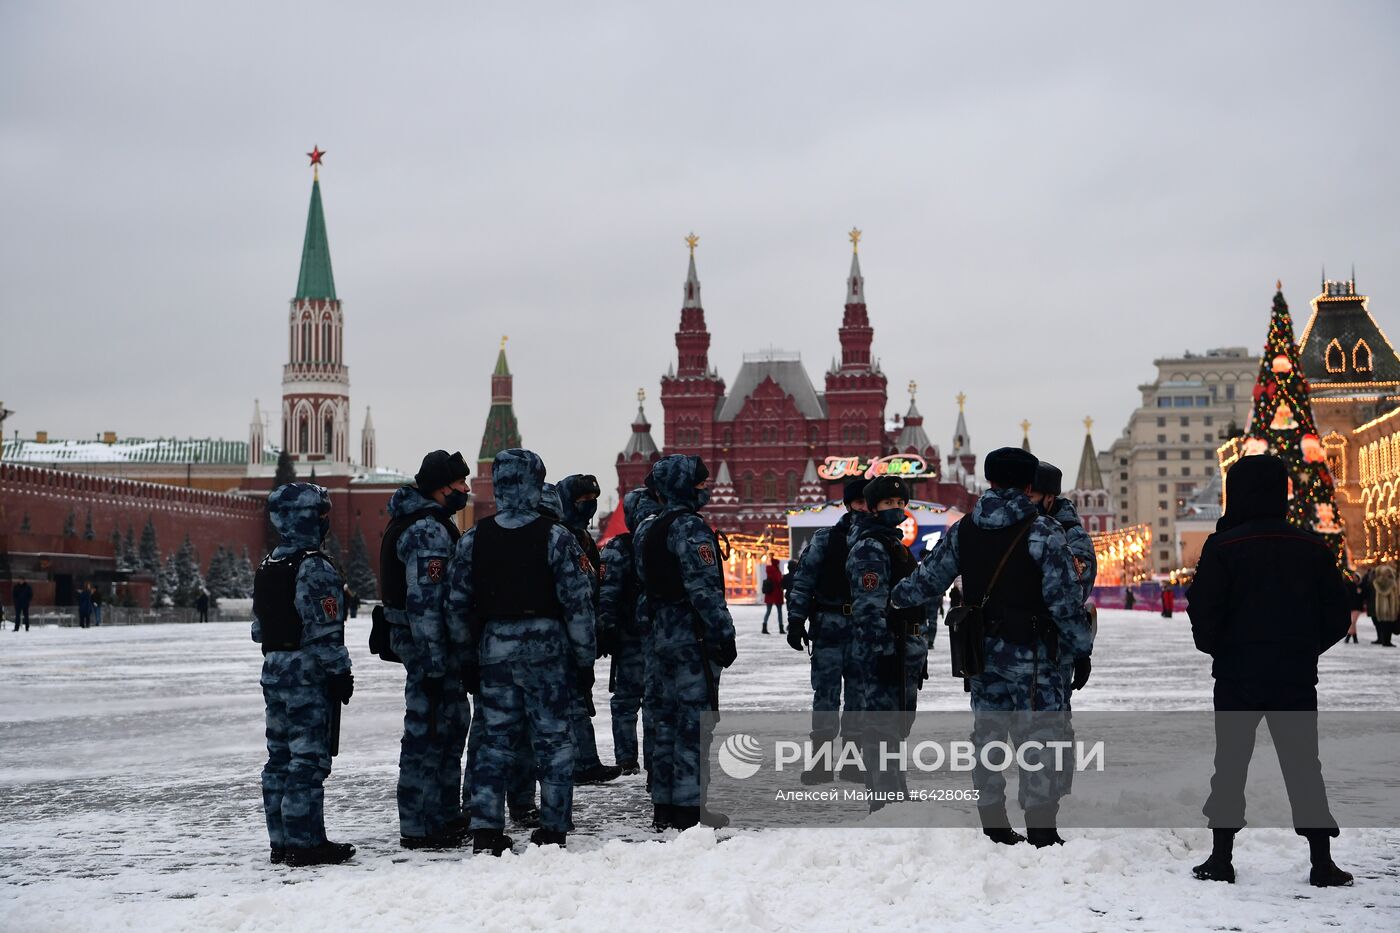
(833, 583)
(910, 619)
(1016, 609)
(511, 575)
(393, 579)
(664, 580)
(275, 601)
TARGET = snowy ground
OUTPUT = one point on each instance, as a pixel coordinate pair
(129, 760)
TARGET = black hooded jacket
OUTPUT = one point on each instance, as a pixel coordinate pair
(1268, 597)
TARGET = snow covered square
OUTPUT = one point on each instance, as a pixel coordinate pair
(131, 760)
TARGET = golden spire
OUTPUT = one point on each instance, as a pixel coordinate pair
(1279, 284)
(692, 241)
(504, 338)
(913, 388)
(1088, 424)
(962, 400)
(854, 236)
(1026, 429)
(641, 396)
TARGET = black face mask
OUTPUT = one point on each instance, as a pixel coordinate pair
(456, 500)
(586, 509)
(325, 524)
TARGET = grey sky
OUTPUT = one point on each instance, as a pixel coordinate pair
(1052, 195)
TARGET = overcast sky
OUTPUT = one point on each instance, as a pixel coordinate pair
(1052, 195)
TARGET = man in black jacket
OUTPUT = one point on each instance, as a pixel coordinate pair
(1267, 600)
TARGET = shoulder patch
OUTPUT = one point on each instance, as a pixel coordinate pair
(436, 569)
(584, 564)
(331, 607)
(707, 554)
(869, 580)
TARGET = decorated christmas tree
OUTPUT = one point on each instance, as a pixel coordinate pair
(1282, 425)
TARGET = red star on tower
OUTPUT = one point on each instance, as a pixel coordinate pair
(315, 154)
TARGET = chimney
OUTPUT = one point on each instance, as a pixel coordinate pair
(41, 437)
(109, 437)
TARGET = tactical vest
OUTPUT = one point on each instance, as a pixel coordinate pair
(511, 574)
(911, 619)
(833, 583)
(393, 575)
(275, 601)
(665, 581)
(1015, 610)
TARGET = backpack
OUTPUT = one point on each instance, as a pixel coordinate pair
(767, 586)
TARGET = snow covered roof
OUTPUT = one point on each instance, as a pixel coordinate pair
(133, 450)
(786, 370)
(381, 476)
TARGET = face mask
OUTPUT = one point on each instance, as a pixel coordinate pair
(325, 526)
(456, 501)
(702, 496)
(586, 509)
(890, 518)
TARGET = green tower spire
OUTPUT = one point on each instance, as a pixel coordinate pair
(502, 431)
(316, 280)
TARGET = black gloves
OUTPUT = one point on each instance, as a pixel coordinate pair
(797, 634)
(1082, 667)
(585, 680)
(341, 687)
(725, 652)
(889, 669)
(607, 642)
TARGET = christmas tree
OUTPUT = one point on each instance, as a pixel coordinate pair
(1282, 425)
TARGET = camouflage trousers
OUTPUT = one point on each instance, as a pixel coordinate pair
(833, 664)
(298, 761)
(625, 682)
(680, 752)
(525, 699)
(430, 755)
(649, 695)
(520, 785)
(1019, 681)
(881, 720)
(585, 740)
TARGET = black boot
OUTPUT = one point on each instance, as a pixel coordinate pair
(712, 819)
(327, 853)
(629, 767)
(548, 837)
(460, 826)
(765, 628)
(279, 855)
(661, 817)
(1325, 873)
(437, 841)
(817, 775)
(683, 818)
(490, 841)
(1219, 866)
(597, 774)
(1040, 826)
(529, 817)
(997, 827)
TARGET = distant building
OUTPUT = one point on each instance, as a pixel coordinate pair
(773, 442)
(502, 433)
(1167, 453)
(1090, 494)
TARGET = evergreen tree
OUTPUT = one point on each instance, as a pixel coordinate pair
(331, 548)
(359, 573)
(163, 596)
(1282, 424)
(286, 470)
(118, 558)
(218, 582)
(188, 580)
(149, 552)
(24, 524)
(89, 534)
(70, 525)
(245, 575)
(130, 556)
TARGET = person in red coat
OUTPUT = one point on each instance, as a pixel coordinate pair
(773, 594)
(1168, 602)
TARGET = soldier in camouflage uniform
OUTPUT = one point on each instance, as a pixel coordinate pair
(821, 595)
(306, 672)
(692, 639)
(1045, 494)
(1034, 611)
(520, 588)
(889, 645)
(620, 630)
(578, 498)
(413, 566)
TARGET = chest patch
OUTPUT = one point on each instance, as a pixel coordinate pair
(869, 580)
(435, 569)
(707, 554)
(330, 607)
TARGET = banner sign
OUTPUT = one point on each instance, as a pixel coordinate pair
(907, 466)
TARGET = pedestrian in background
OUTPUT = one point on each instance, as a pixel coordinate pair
(85, 606)
(1385, 604)
(1168, 601)
(22, 594)
(773, 594)
(96, 603)
(1356, 589)
(201, 603)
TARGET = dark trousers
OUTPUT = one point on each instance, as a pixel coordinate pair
(1291, 712)
(22, 612)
